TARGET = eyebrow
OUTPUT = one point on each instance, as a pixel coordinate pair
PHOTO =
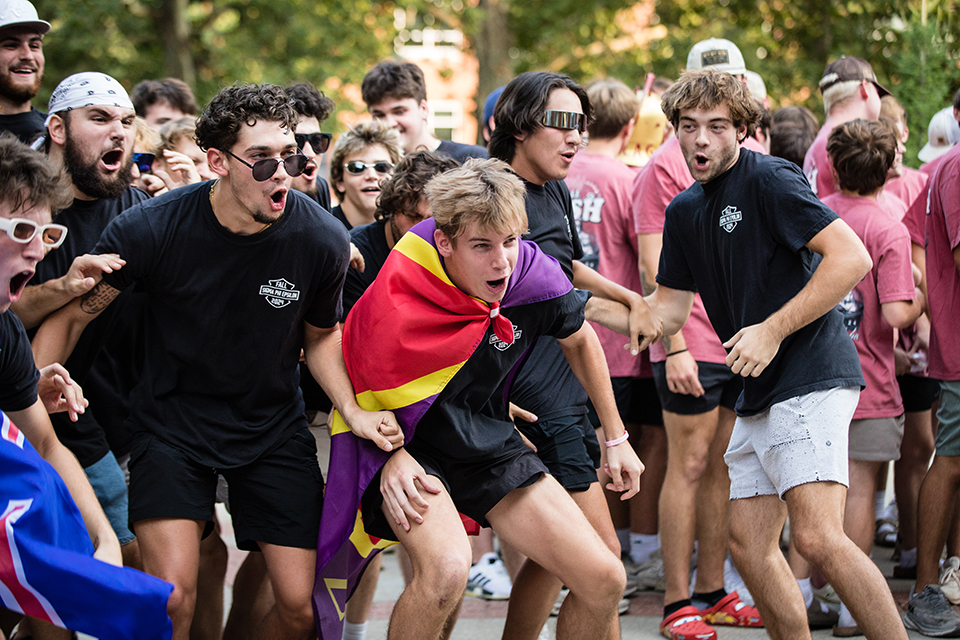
(711, 121)
(262, 147)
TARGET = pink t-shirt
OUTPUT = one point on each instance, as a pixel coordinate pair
(909, 186)
(893, 205)
(662, 178)
(600, 189)
(890, 280)
(817, 166)
(754, 145)
(943, 281)
(930, 168)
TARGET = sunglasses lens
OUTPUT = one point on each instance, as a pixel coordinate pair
(144, 161)
(383, 167)
(52, 235)
(320, 142)
(24, 231)
(563, 120)
(295, 164)
(264, 169)
(355, 167)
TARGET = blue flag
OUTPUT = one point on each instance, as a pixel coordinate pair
(47, 568)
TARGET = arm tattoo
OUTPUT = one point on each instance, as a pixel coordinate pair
(98, 298)
(646, 285)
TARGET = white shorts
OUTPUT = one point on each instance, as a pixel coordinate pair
(799, 440)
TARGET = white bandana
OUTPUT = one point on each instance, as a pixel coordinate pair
(87, 89)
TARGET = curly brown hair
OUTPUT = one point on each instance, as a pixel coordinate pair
(706, 89)
(402, 192)
(862, 152)
(310, 101)
(27, 179)
(219, 125)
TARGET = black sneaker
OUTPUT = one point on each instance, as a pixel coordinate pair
(930, 613)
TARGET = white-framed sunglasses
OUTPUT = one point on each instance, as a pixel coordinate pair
(23, 231)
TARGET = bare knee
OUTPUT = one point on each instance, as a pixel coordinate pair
(442, 580)
(182, 602)
(815, 543)
(603, 584)
(298, 616)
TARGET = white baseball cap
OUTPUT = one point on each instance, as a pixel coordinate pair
(942, 134)
(21, 13)
(755, 85)
(717, 53)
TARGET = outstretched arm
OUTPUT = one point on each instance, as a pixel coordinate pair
(323, 352)
(39, 301)
(35, 424)
(58, 335)
(845, 262)
(585, 355)
(643, 328)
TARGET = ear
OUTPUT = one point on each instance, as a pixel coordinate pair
(217, 161)
(864, 92)
(58, 130)
(520, 137)
(424, 109)
(444, 244)
(742, 133)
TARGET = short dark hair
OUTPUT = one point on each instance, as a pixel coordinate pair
(862, 152)
(956, 100)
(706, 89)
(219, 124)
(402, 192)
(797, 115)
(521, 107)
(393, 79)
(28, 179)
(309, 101)
(790, 141)
(173, 91)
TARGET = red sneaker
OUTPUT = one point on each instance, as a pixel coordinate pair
(731, 611)
(686, 624)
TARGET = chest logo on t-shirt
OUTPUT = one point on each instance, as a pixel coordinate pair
(500, 344)
(279, 293)
(729, 218)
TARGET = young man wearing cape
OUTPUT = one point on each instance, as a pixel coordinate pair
(465, 298)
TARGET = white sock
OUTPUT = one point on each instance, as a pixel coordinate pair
(642, 546)
(846, 620)
(623, 536)
(807, 590)
(908, 557)
(353, 631)
(881, 502)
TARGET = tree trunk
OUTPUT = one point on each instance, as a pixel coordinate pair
(174, 31)
(492, 44)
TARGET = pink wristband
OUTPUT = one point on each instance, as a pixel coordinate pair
(620, 440)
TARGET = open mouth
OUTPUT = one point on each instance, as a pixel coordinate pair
(111, 159)
(701, 160)
(497, 285)
(18, 282)
(370, 190)
(24, 71)
(568, 155)
(277, 199)
(310, 172)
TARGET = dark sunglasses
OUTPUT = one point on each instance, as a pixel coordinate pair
(144, 161)
(264, 169)
(319, 141)
(564, 120)
(356, 167)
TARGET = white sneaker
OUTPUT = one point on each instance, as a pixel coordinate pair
(733, 582)
(950, 579)
(488, 579)
(649, 575)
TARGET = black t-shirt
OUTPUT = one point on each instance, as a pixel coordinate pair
(18, 374)
(26, 126)
(224, 319)
(323, 193)
(740, 241)
(546, 386)
(371, 240)
(461, 152)
(103, 360)
(338, 213)
(469, 418)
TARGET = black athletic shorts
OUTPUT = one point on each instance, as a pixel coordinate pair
(919, 393)
(637, 402)
(476, 486)
(568, 446)
(721, 388)
(276, 499)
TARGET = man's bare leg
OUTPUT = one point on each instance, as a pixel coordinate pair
(544, 523)
(935, 515)
(816, 525)
(208, 617)
(755, 525)
(643, 508)
(713, 508)
(440, 556)
(536, 589)
(689, 439)
(170, 548)
(291, 571)
(358, 606)
(248, 609)
(908, 472)
(131, 555)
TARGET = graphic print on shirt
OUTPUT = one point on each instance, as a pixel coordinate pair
(588, 207)
(500, 344)
(729, 218)
(812, 178)
(852, 309)
(279, 293)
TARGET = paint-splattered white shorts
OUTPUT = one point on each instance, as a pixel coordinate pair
(799, 440)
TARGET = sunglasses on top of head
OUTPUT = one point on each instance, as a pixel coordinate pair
(319, 141)
(566, 120)
(23, 231)
(357, 167)
(263, 170)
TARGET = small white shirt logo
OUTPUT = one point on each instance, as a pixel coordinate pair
(729, 218)
(279, 293)
(500, 344)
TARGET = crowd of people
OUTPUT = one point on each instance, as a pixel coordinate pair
(749, 309)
